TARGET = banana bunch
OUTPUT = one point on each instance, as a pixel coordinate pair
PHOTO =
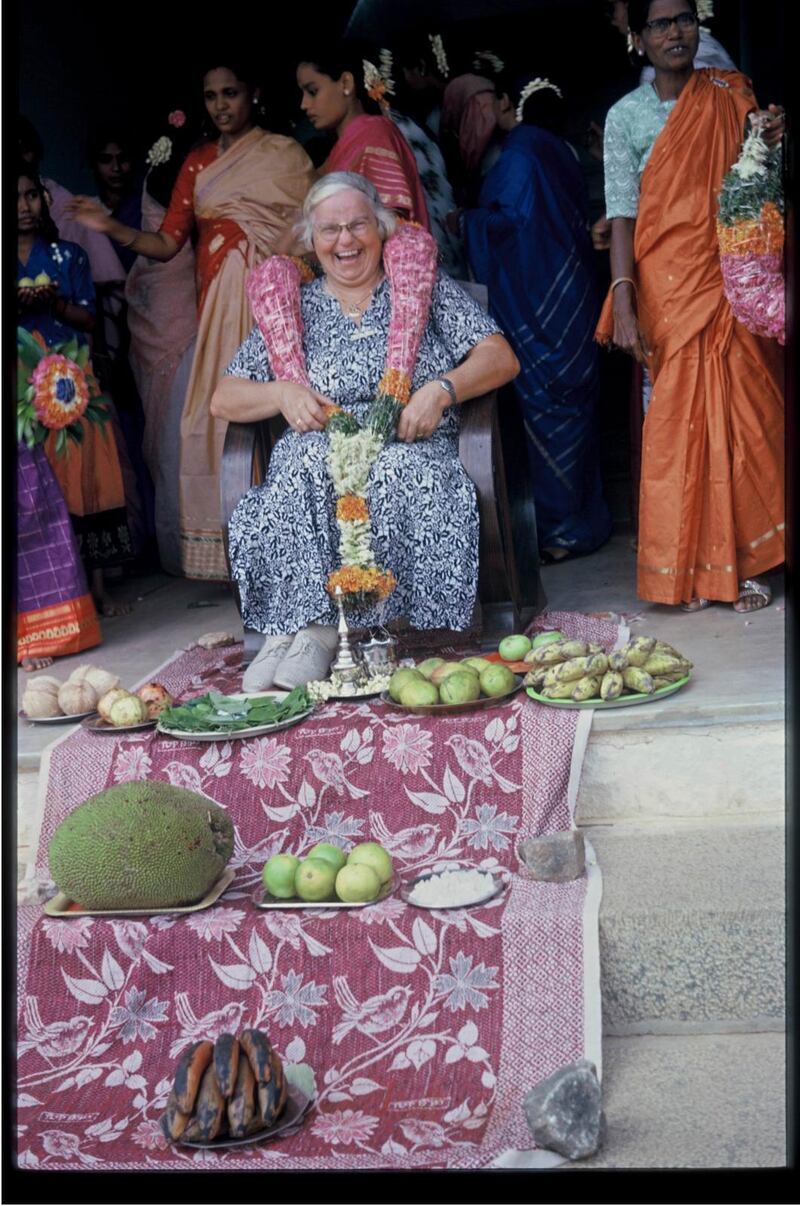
(581, 671)
(232, 1087)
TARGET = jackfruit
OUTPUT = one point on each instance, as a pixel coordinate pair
(141, 845)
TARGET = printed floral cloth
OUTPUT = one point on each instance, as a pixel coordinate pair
(424, 1029)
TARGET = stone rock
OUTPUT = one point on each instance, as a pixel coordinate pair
(564, 1112)
(556, 857)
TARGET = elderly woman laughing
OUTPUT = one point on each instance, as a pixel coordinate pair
(420, 504)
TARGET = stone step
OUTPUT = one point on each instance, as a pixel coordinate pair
(693, 1101)
(692, 927)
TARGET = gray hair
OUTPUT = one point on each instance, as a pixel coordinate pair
(339, 182)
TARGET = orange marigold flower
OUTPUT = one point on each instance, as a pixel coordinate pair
(62, 392)
(306, 272)
(352, 507)
(352, 580)
(396, 384)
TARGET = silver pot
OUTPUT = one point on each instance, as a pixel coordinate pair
(379, 653)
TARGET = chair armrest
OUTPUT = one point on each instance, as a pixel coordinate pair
(236, 469)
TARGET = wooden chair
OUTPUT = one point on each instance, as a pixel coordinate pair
(509, 588)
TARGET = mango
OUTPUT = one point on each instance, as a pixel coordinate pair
(419, 694)
(462, 687)
(497, 680)
(427, 667)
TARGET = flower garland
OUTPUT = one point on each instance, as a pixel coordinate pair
(409, 261)
(55, 390)
(161, 150)
(378, 83)
(437, 46)
(750, 234)
(487, 58)
(533, 86)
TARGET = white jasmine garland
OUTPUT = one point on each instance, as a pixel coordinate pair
(489, 58)
(160, 152)
(534, 86)
(386, 64)
(437, 46)
(355, 543)
(350, 460)
(753, 158)
(705, 10)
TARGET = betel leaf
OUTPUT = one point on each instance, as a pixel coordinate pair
(223, 714)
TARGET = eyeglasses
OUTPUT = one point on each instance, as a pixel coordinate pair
(330, 231)
(662, 24)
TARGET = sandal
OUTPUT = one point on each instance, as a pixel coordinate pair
(697, 604)
(551, 557)
(753, 595)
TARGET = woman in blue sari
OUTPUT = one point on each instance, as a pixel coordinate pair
(528, 241)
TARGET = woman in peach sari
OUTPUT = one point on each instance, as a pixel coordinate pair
(240, 190)
(711, 498)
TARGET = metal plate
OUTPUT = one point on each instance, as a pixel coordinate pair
(259, 730)
(74, 719)
(96, 724)
(58, 905)
(474, 705)
(265, 900)
(624, 701)
(501, 876)
(294, 1111)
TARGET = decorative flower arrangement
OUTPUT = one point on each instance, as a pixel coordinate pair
(55, 390)
(161, 151)
(376, 84)
(177, 118)
(750, 233)
(437, 46)
(487, 58)
(533, 86)
(409, 261)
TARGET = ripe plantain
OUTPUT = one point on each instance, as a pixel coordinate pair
(618, 660)
(559, 690)
(189, 1072)
(208, 1119)
(612, 685)
(573, 669)
(597, 664)
(639, 650)
(586, 688)
(174, 1120)
(226, 1062)
(665, 663)
(638, 681)
(243, 1104)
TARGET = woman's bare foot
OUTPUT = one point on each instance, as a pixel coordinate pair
(102, 599)
(36, 663)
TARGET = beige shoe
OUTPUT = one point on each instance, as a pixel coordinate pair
(260, 674)
(309, 658)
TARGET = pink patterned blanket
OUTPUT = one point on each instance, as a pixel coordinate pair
(424, 1029)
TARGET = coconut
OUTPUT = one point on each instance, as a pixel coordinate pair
(101, 680)
(126, 711)
(106, 702)
(40, 699)
(75, 698)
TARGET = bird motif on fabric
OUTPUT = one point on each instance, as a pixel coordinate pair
(413, 842)
(54, 1039)
(329, 770)
(473, 758)
(210, 1026)
(373, 1016)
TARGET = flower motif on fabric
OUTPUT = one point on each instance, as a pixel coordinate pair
(137, 1015)
(132, 763)
(61, 391)
(489, 828)
(407, 747)
(149, 1135)
(293, 1003)
(264, 762)
(464, 982)
(213, 924)
(345, 1127)
(68, 936)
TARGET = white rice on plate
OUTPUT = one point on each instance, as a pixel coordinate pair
(450, 889)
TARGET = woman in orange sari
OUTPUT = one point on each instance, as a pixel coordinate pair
(240, 189)
(711, 500)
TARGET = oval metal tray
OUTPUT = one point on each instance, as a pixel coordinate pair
(501, 876)
(96, 724)
(624, 701)
(58, 905)
(74, 719)
(294, 1111)
(474, 705)
(259, 730)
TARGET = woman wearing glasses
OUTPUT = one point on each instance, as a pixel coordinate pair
(283, 539)
(240, 188)
(711, 498)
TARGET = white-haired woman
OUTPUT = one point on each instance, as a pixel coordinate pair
(423, 514)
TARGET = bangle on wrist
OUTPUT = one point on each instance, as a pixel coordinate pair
(623, 280)
(447, 385)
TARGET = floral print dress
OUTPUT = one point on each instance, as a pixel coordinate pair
(283, 534)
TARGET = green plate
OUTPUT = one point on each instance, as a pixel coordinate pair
(624, 701)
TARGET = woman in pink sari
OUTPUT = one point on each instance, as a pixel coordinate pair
(240, 190)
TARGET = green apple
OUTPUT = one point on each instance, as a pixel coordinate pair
(514, 648)
(278, 875)
(374, 856)
(357, 882)
(315, 879)
(334, 854)
(497, 680)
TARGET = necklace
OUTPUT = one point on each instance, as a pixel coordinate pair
(353, 310)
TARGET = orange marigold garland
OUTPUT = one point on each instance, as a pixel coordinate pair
(409, 260)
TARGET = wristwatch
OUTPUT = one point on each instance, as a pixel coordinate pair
(448, 387)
